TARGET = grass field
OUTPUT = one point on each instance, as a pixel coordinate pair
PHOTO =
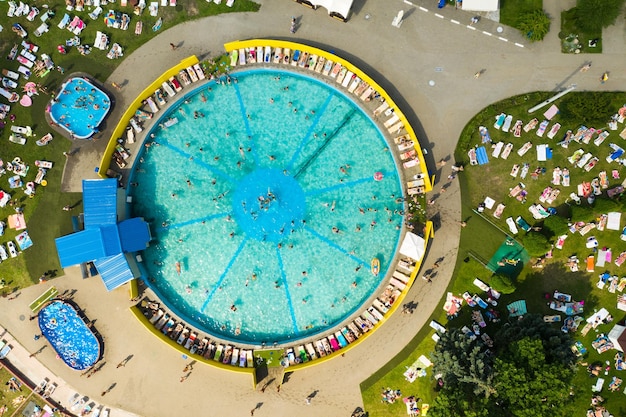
(483, 235)
(44, 215)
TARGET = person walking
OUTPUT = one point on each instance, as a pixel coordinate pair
(293, 25)
(173, 46)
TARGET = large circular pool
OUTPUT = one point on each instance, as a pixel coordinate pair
(269, 196)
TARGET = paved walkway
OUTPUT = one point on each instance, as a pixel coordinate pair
(434, 45)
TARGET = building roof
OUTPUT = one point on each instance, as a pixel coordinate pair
(104, 241)
(100, 202)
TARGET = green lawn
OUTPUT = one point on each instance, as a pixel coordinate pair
(44, 215)
(511, 10)
(483, 236)
(572, 38)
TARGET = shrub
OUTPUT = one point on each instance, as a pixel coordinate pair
(503, 284)
(589, 108)
(534, 25)
(536, 244)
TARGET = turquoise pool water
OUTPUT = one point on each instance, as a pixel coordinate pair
(68, 335)
(79, 107)
(244, 192)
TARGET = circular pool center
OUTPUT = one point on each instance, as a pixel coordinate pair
(269, 196)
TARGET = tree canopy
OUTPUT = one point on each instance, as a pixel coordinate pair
(593, 15)
(527, 372)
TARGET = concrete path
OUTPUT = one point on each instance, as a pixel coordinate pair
(433, 45)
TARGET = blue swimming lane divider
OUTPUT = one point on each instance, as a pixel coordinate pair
(344, 184)
(283, 277)
(335, 246)
(244, 114)
(196, 161)
(319, 151)
(307, 135)
(195, 221)
(223, 276)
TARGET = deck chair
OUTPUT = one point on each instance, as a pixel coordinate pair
(43, 28)
(64, 22)
(96, 13)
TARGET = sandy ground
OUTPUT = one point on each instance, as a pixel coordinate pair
(427, 65)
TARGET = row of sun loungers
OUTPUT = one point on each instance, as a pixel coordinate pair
(196, 345)
(155, 102)
(352, 331)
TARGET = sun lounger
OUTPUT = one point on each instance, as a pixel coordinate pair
(191, 340)
(401, 277)
(498, 213)
(507, 123)
(554, 130)
(64, 22)
(542, 128)
(506, 151)
(183, 336)
(531, 125)
(95, 13)
(394, 119)
(512, 226)
(101, 42)
(199, 72)
(497, 148)
(499, 121)
(5, 351)
(397, 283)
(350, 336)
(153, 8)
(437, 326)
(310, 350)
(168, 89)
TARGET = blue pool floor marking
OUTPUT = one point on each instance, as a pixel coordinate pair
(223, 276)
(244, 114)
(335, 246)
(344, 184)
(308, 134)
(203, 164)
(283, 278)
(195, 221)
(319, 150)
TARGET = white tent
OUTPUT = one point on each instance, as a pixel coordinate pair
(481, 5)
(336, 8)
(618, 337)
(413, 246)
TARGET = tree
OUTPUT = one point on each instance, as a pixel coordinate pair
(460, 360)
(536, 244)
(556, 225)
(528, 374)
(534, 25)
(593, 15)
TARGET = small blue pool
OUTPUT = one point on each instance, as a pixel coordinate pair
(68, 334)
(80, 107)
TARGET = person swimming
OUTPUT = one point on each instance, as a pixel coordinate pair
(178, 269)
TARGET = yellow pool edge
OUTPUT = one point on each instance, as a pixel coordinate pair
(119, 130)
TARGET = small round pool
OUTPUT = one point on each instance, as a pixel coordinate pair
(68, 335)
(79, 107)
